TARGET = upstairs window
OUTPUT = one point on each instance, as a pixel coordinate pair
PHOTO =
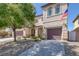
(57, 9)
(49, 12)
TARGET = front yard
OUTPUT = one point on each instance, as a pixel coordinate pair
(71, 48)
(45, 48)
(15, 48)
(40, 48)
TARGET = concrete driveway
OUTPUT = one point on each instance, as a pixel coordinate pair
(45, 48)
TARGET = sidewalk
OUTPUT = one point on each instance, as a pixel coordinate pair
(5, 40)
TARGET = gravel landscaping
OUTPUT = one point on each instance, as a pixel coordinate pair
(45, 48)
(15, 48)
(71, 48)
(40, 48)
(68, 50)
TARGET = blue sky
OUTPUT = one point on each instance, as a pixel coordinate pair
(38, 8)
(73, 11)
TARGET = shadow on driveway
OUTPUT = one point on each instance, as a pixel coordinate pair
(69, 50)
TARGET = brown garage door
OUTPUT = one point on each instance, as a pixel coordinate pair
(54, 33)
(19, 33)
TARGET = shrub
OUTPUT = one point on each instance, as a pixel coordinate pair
(24, 37)
(35, 38)
(19, 38)
(27, 36)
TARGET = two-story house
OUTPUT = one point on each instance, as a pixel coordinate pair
(52, 27)
(49, 25)
(76, 28)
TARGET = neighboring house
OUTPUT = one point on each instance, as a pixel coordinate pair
(23, 32)
(20, 32)
(5, 33)
(50, 23)
(76, 28)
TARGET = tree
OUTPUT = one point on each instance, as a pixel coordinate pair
(3, 11)
(16, 16)
(29, 15)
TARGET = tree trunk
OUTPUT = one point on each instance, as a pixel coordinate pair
(14, 32)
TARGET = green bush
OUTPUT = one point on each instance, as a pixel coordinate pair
(41, 37)
(19, 37)
(27, 36)
(24, 37)
(35, 38)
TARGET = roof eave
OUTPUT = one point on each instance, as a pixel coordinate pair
(76, 18)
(47, 4)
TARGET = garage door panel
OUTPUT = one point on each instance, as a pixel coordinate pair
(54, 33)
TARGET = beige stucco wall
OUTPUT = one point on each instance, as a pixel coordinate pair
(38, 20)
(54, 19)
(55, 23)
(38, 23)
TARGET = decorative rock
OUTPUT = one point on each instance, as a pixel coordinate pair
(45, 48)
